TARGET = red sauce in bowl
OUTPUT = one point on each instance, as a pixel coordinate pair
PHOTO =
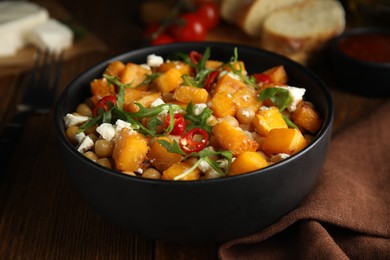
(370, 47)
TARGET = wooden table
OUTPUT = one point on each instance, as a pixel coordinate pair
(41, 215)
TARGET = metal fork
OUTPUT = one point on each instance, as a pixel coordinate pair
(39, 98)
(42, 88)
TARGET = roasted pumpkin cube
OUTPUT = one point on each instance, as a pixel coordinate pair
(182, 67)
(213, 64)
(306, 117)
(246, 97)
(130, 150)
(115, 68)
(232, 138)
(101, 88)
(238, 66)
(267, 119)
(145, 101)
(159, 156)
(169, 80)
(277, 74)
(228, 83)
(134, 74)
(174, 172)
(284, 140)
(223, 105)
(247, 162)
(133, 94)
(186, 94)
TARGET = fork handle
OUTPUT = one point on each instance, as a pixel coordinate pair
(10, 135)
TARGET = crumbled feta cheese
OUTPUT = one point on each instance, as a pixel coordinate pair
(223, 163)
(296, 95)
(157, 102)
(106, 130)
(71, 119)
(278, 157)
(198, 108)
(250, 134)
(230, 74)
(85, 145)
(264, 108)
(146, 66)
(154, 61)
(204, 166)
(80, 137)
(120, 124)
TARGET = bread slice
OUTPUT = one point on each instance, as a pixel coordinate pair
(250, 18)
(231, 8)
(304, 28)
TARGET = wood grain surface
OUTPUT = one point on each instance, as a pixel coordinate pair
(41, 215)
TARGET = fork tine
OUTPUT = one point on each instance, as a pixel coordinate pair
(43, 85)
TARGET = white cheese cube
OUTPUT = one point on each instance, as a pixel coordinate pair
(51, 35)
(106, 130)
(296, 95)
(154, 61)
(85, 145)
(16, 19)
(71, 119)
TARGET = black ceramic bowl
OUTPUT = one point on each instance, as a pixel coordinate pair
(361, 61)
(203, 210)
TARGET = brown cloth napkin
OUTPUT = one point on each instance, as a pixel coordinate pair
(347, 214)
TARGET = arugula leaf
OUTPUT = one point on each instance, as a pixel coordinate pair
(172, 147)
(279, 96)
(198, 120)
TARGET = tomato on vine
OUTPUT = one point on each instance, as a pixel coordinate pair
(188, 27)
(209, 14)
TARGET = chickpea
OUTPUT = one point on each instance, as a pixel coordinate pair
(103, 148)
(71, 133)
(231, 121)
(84, 110)
(91, 155)
(93, 137)
(212, 120)
(105, 162)
(151, 173)
(245, 115)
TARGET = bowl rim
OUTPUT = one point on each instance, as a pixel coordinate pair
(364, 30)
(326, 126)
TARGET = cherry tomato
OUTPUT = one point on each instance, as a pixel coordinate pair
(163, 38)
(209, 14)
(104, 105)
(188, 27)
(262, 78)
(179, 124)
(194, 140)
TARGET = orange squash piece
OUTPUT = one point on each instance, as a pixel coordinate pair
(247, 162)
(169, 80)
(100, 88)
(159, 156)
(268, 119)
(178, 168)
(284, 140)
(115, 68)
(133, 74)
(186, 94)
(182, 67)
(232, 138)
(130, 150)
(277, 74)
(145, 101)
(228, 84)
(222, 104)
(306, 117)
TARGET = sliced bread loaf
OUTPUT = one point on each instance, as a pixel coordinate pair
(231, 8)
(251, 16)
(303, 28)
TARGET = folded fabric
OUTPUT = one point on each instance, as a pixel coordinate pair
(346, 216)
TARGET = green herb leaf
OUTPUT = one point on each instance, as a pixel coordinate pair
(171, 147)
(198, 120)
(279, 96)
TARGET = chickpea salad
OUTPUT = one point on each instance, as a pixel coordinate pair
(190, 117)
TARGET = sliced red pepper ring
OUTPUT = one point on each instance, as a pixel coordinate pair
(194, 140)
(179, 125)
(262, 78)
(210, 80)
(104, 105)
(195, 57)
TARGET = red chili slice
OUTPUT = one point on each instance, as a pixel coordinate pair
(195, 57)
(262, 78)
(179, 124)
(194, 140)
(104, 105)
(210, 80)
